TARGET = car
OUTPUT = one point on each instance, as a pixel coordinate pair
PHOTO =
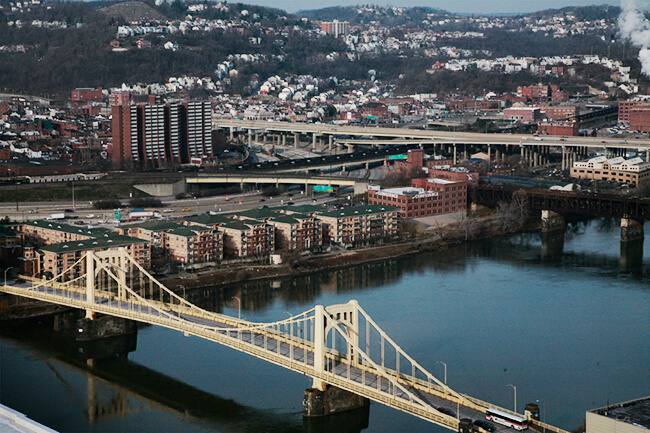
(290, 203)
(262, 200)
(33, 211)
(186, 210)
(485, 425)
(446, 411)
(168, 210)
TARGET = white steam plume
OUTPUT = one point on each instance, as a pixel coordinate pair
(636, 28)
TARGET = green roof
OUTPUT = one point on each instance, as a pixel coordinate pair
(304, 209)
(242, 225)
(7, 232)
(258, 213)
(359, 210)
(208, 219)
(283, 218)
(110, 241)
(152, 225)
(67, 228)
(188, 231)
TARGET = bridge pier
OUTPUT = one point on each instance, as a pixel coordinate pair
(631, 257)
(330, 401)
(551, 221)
(631, 229)
(552, 246)
(296, 139)
(104, 327)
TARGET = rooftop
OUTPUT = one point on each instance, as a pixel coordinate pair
(188, 231)
(635, 412)
(359, 210)
(111, 241)
(152, 225)
(66, 228)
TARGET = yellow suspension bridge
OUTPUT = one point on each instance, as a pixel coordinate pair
(338, 345)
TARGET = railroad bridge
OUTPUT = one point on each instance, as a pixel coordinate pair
(632, 211)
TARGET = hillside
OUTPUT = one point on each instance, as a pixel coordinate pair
(132, 11)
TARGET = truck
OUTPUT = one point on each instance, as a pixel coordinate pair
(145, 214)
(57, 216)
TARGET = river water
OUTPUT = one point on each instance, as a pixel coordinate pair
(570, 329)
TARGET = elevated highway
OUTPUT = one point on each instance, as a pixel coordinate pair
(533, 149)
(360, 186)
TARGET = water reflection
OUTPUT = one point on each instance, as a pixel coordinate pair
(117, 387)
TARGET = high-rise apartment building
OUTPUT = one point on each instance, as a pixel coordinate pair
(335, 28)
(196, 126)
(157, 135)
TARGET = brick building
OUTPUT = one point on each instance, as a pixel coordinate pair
(522, 114)
(639, 119)
(425, 197)
(624, 108)
(191, 245)
(558, 112)
(568, 128)
(87, 95)
(543, 93)
(56, 258)
(359, 224)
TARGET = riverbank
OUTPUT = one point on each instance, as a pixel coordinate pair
(438, 238)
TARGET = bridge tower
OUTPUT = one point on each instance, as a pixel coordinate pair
(321, 399)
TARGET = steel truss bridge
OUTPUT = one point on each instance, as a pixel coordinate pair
(609, 205)
(339, 345)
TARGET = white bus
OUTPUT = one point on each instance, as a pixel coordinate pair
(514, 421)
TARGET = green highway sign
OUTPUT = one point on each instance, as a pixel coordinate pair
(323, 188)
(398, 156)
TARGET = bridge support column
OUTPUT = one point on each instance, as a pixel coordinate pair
(489, 153)
(250, 137)
(552, 246)
(296, 139)
(632, 256)
(631, 229)
(564, 158)
(330, 401)
(90, 283)
(284, 139)
(330, 139)
(455, 155)
(314, 141)
(551, 221)
(232, 133)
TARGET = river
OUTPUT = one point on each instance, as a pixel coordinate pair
(568, 329)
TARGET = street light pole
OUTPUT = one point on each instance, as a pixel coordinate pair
(239, 305)
(6, 275)
(515, 389)
(444, 365)
(543, 413)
